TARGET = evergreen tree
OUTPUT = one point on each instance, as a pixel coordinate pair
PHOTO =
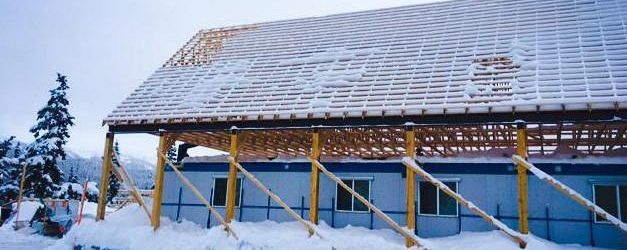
(72, 177)
(114, 183)
(51, 134)
(171, 154)
(10, 169)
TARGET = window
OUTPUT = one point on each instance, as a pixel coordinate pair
(219, 191)
(345, 201)
(613, 199)
(435, 202)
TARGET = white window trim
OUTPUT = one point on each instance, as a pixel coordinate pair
(437, 199)
(369, 179)
(594, 200)
(213, 189)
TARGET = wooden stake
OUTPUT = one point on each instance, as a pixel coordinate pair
(200, 197)
(523, 213)
(83, 196)
(276, 198)
(314, 182)
(104, 177)
(518, 238)
(570, 193)
(158, 191)
(19, 197)
(231, 184)
(410, 151)
(408, 234)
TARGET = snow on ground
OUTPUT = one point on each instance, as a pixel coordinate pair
(27, 211)
(23, 239)
(129, 228)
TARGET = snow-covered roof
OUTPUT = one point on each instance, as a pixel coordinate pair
(455, 57)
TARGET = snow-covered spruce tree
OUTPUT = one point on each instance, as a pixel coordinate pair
(114, 183)
(10, 170)
(171, 154)
(51, 134)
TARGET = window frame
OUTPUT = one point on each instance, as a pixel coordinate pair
(353, 179)
(213, 190)
(618, 207)
(437, 199)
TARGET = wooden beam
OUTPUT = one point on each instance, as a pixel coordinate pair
(232, 179)
(410, 151)
(276, 198)
(314, 183)
(523, 213)
(515, 236)
(570, 193)
(406, 233)
(104, 177)
(158, 191)
(19, 196)
(200, 197)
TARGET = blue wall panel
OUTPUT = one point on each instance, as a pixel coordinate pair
(491, 187)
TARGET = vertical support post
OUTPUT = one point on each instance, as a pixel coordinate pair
(158, 191)
(523, 213)
(104, 177)
(410, 151)
(316, 147)
(231, 186)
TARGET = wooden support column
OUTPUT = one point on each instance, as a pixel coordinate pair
(523, 213)
(104, 177)
(410, 151)
(232, 180)
(316, 147)
(160, 172)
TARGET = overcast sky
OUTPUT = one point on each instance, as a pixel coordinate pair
(107, 48)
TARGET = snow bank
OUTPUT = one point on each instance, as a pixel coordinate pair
(27, 211)
(129, 229)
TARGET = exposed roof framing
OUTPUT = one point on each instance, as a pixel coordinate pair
(380, 142)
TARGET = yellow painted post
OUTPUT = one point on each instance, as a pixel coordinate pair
(410, 151)
(315, 178)
(157, 196)
(104, 177)
(231, 186)
(521, 138)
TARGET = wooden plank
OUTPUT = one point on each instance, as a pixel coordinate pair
(570, 193)
(410, 151)
(19, 196)
(120, 172)
(515, 236)
(200, 197)
(274, 197)
(523, 212)
(406, 233)
(231, 184)
(104, 177)
(314, 182)
(158, 191)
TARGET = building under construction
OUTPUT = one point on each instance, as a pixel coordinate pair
(446, 117)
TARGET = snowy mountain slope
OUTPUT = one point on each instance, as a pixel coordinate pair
(89, 168)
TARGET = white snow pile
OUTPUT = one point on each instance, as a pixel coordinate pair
(92, 188)
(27, 211)
(129, 229)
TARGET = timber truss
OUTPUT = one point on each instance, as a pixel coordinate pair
(381, 142)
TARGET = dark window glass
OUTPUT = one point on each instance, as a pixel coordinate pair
(219, 191)
(623, 202)
(344, 199)
(428, 196)
(605, 197)
(448, 205)
(362, 187)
